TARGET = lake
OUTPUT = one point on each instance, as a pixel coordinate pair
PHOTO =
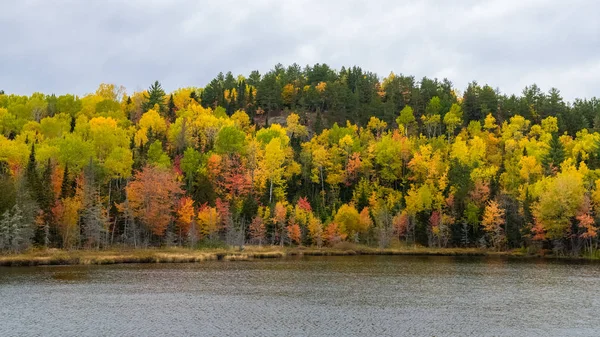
(305, 296)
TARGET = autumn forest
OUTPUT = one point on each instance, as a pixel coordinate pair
(301, 156)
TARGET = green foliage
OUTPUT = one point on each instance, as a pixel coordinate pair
(157, 156)
(230, 140)
(406, 117)
(66, 162)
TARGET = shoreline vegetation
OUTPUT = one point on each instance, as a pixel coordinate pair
(126, 255)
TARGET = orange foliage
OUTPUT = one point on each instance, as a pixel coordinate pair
(294, 233)
(152, 196)
(185, 214)
(214, 165)
(365, 219)
(539, 234)
(587, 223)
(480, 193)
(333, 234)
(57, 179)
(280, 213)
(66, 214)
(353, 168)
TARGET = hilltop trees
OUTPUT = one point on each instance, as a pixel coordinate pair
(300, 156)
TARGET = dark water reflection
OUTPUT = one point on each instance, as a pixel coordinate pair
(316, 296)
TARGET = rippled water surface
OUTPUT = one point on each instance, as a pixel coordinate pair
(316, 296)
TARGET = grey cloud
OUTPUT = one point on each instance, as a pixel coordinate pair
(72, 46)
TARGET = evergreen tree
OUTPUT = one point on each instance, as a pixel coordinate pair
(556, 154)
(471, 104)
(46, 193)
(45, 201)
(595, 156)
(31, 175)
(7, 186)
(251, 110)
(15, 232)
(72, 128)
(171, 109)
(93, 216)
(156, 96)
(194, 96)
(65, 187)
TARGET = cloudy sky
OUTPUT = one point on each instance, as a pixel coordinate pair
(72, 46)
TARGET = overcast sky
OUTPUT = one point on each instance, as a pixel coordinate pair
(72, 46)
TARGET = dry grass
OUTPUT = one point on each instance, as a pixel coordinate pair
(159, 255)
(184, 255)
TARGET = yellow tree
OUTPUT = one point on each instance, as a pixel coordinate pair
(273, 164)
(377, 126)
(453, 119)
(559, 200)
(288, 94)
(106, 135)
(294, 128)
(208, 221)
(493, 220)
(151, 120)
(349, 221)
(66, 213)
(315, 230)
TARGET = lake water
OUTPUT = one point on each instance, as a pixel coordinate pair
(310, 296)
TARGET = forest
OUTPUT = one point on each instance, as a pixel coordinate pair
(296, 156)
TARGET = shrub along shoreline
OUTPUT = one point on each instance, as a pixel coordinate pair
(249, 253)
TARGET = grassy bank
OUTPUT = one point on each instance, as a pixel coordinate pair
(183, 255)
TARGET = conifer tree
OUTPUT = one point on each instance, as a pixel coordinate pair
(556, 154)
(156, 96)
(171, 109)
(65, 187)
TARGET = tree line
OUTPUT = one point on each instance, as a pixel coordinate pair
(300, 156)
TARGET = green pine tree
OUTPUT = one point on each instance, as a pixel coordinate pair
(31, 175)
(556, 154)
(171, 109)
(65, 187)
(156, 96)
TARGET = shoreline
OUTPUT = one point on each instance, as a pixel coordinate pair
(184, 255)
